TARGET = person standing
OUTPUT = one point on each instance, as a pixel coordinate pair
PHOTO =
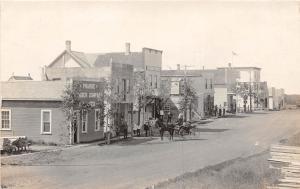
(125, 128)
(180, 119)
(216, 110)
(146, 128)
(135, 126)
(169, 120)
(138, 131)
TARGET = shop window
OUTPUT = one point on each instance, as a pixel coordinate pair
(84, 121)
(46, 122)
(5, 119)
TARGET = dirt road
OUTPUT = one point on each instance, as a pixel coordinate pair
(140, 163)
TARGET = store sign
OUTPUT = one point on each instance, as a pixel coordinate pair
(175, 87)
(90, 91)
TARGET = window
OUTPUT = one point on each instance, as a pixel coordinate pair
(127, 86)
(155, 80)
(124, 88)
(205, 83)
(211, 84)
(97, 119)
(5, 119)
(118, 87)
(46, 122)
(84, 121)
(151, 81)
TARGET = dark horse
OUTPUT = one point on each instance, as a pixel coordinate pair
(165, 127)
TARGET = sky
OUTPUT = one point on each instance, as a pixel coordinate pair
(262, 34)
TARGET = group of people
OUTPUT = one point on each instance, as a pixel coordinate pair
(147, 126)
(219, 111)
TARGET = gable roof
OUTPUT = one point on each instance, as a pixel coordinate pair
(89, 60)
(76, 56)
(32, 90)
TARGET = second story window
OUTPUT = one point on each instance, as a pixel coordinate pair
(211, 84)
(127, 86)
(124, 88)
(205, 83)
(117, 86)
(155, 81)
(151, 81)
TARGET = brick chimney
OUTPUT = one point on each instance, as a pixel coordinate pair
(127, 48)
(68, 45)
(178, 66)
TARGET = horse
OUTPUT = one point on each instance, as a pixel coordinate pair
(166, 127)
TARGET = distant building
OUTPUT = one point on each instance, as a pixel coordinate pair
(20, 78)
(230, 82)
(276, 99)
(200, 80)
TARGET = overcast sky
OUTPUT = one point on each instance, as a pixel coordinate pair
(265, 35)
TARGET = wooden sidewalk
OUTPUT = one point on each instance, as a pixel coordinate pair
(287, 160)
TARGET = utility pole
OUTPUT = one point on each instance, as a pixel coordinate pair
(250, 91)
(185, 92)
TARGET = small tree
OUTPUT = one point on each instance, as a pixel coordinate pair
(109, 102)
(188, 95)
(72, 104)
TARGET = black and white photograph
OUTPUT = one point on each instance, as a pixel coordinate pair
(149, 94)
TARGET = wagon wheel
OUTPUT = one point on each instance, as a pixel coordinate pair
(181, 131)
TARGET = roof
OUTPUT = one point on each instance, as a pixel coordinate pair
(180, 73)
(190, 73)
(240, 68)
(20, 78)
(32, 90)
(89, 60)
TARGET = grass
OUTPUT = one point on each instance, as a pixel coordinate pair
(293, 141)
(243, 173)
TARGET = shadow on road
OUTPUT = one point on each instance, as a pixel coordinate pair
(235, 116)
(134, 141)
(210, 130)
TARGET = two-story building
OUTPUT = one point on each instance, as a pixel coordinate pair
(201, 81)
(229, 81)
(119, 76)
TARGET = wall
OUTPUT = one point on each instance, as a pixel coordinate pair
(26, 120)
(64, 73)
(153, 63)
(220, 96)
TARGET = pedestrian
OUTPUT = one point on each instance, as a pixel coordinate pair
(135, 126)
(146, 128)
(180, 118)
(125, 128)
(216, 110)
(223, 111)
(169, 120)
(138, 131)
(220, 111)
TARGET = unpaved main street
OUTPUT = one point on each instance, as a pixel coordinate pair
(140, 163)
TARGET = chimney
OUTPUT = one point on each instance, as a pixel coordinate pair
(178, 66)
(127, 48)
(229, 65)
(202, 67)
(68, 45)
(28, 74)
